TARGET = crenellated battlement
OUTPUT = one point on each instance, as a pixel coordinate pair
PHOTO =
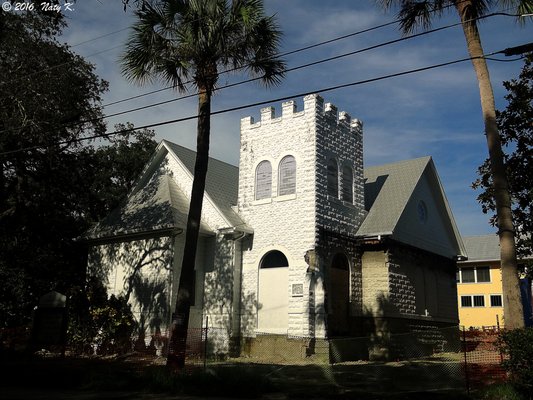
(313, 105)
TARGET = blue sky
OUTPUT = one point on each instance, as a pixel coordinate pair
(436, 112)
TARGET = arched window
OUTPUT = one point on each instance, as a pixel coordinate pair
(340, 261)
(287, 176)
(347, 184)
(263, 181)
(333, 178)
(274, 259)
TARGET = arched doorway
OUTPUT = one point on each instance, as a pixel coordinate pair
(273, 298)
(339, 295)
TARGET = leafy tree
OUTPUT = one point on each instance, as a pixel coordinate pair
(52, 186)
(415, 13)
(181, 41)
(517, 345)
(516, 133)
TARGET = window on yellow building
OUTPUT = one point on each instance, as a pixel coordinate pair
(473, 275)
(496, 300)
(468, 275)
(473, 301)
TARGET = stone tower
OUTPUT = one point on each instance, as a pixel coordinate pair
(301, 190)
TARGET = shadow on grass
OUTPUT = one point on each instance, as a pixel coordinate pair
(421, 380)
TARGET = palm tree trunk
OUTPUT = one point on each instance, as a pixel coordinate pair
(512, 303)
(180, 323)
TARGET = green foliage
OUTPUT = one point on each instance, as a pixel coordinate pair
(516, 132)
(51, 192)
(98, 323)
(517, 345)
(500, 391)
(228, 381)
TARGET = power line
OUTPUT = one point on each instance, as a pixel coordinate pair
(290, 52)
(287, 70)
(255, 104)
(383, 44)
(75, 45)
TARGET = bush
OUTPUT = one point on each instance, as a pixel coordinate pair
(226, 381)
(99, 324)
(500, 391)
(517, 345)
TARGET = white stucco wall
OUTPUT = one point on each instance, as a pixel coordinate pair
(140, 270)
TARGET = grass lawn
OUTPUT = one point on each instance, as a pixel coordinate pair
(237, 380)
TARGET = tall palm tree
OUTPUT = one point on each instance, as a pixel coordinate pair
(192, 41)
(415, 13)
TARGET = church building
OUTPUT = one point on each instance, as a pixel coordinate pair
(298, 241)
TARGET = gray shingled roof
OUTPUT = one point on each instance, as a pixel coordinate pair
(158, 205)
(482, 248)
(387, 190)
(222, 182)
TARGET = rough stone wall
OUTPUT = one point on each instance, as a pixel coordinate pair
(375, 282)
(294, 224)
(284, 223)
(422, 284)
(341, 138)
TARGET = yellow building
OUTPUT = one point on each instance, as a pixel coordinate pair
(479, 283)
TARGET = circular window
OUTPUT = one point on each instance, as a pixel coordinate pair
(422, 211)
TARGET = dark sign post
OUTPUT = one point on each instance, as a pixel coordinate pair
(50, 322)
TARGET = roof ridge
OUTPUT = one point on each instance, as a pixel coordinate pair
(172, 144)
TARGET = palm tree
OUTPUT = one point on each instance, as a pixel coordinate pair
(415, 13)
(192, 41)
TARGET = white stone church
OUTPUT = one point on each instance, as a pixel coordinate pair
(299, 241)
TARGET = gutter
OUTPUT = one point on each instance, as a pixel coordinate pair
(134, 235)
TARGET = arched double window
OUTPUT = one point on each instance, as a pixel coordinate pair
(333, 178)
(263, 180)
(287, 176)
(347, 184)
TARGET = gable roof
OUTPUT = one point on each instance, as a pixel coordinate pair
(392, 194)
(482, 248)
(221, 185)
(388, 188)
(159, 205)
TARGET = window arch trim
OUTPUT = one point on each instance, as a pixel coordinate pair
(263, 180)
(287, 175)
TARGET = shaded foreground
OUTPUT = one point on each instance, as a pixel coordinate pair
(136, 377)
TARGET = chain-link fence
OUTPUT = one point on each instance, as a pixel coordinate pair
(445, 359)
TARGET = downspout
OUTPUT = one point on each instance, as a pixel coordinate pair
(239, 305)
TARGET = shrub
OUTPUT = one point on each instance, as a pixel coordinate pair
(99, 324)
(517, 345)
(500, 391)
